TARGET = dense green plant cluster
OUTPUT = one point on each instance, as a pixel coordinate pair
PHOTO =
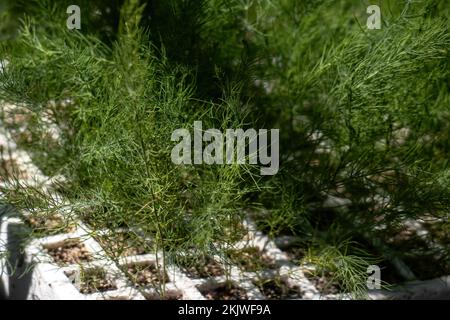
(362, 116)
(116, 131)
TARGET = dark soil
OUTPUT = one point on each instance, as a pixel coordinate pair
(295, 254)
(389, 274)
(251, 259)
(278, 290)
(427, 265)
(71, 252)
(424, 261)
(324, 283)
(203, 267)
(224, 291)
(169, 295)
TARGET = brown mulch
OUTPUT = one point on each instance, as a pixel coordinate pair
(146, 274)
(96, 280)
(225, 292)
(71, 252)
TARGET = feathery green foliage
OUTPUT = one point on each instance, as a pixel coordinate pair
(362, 116)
